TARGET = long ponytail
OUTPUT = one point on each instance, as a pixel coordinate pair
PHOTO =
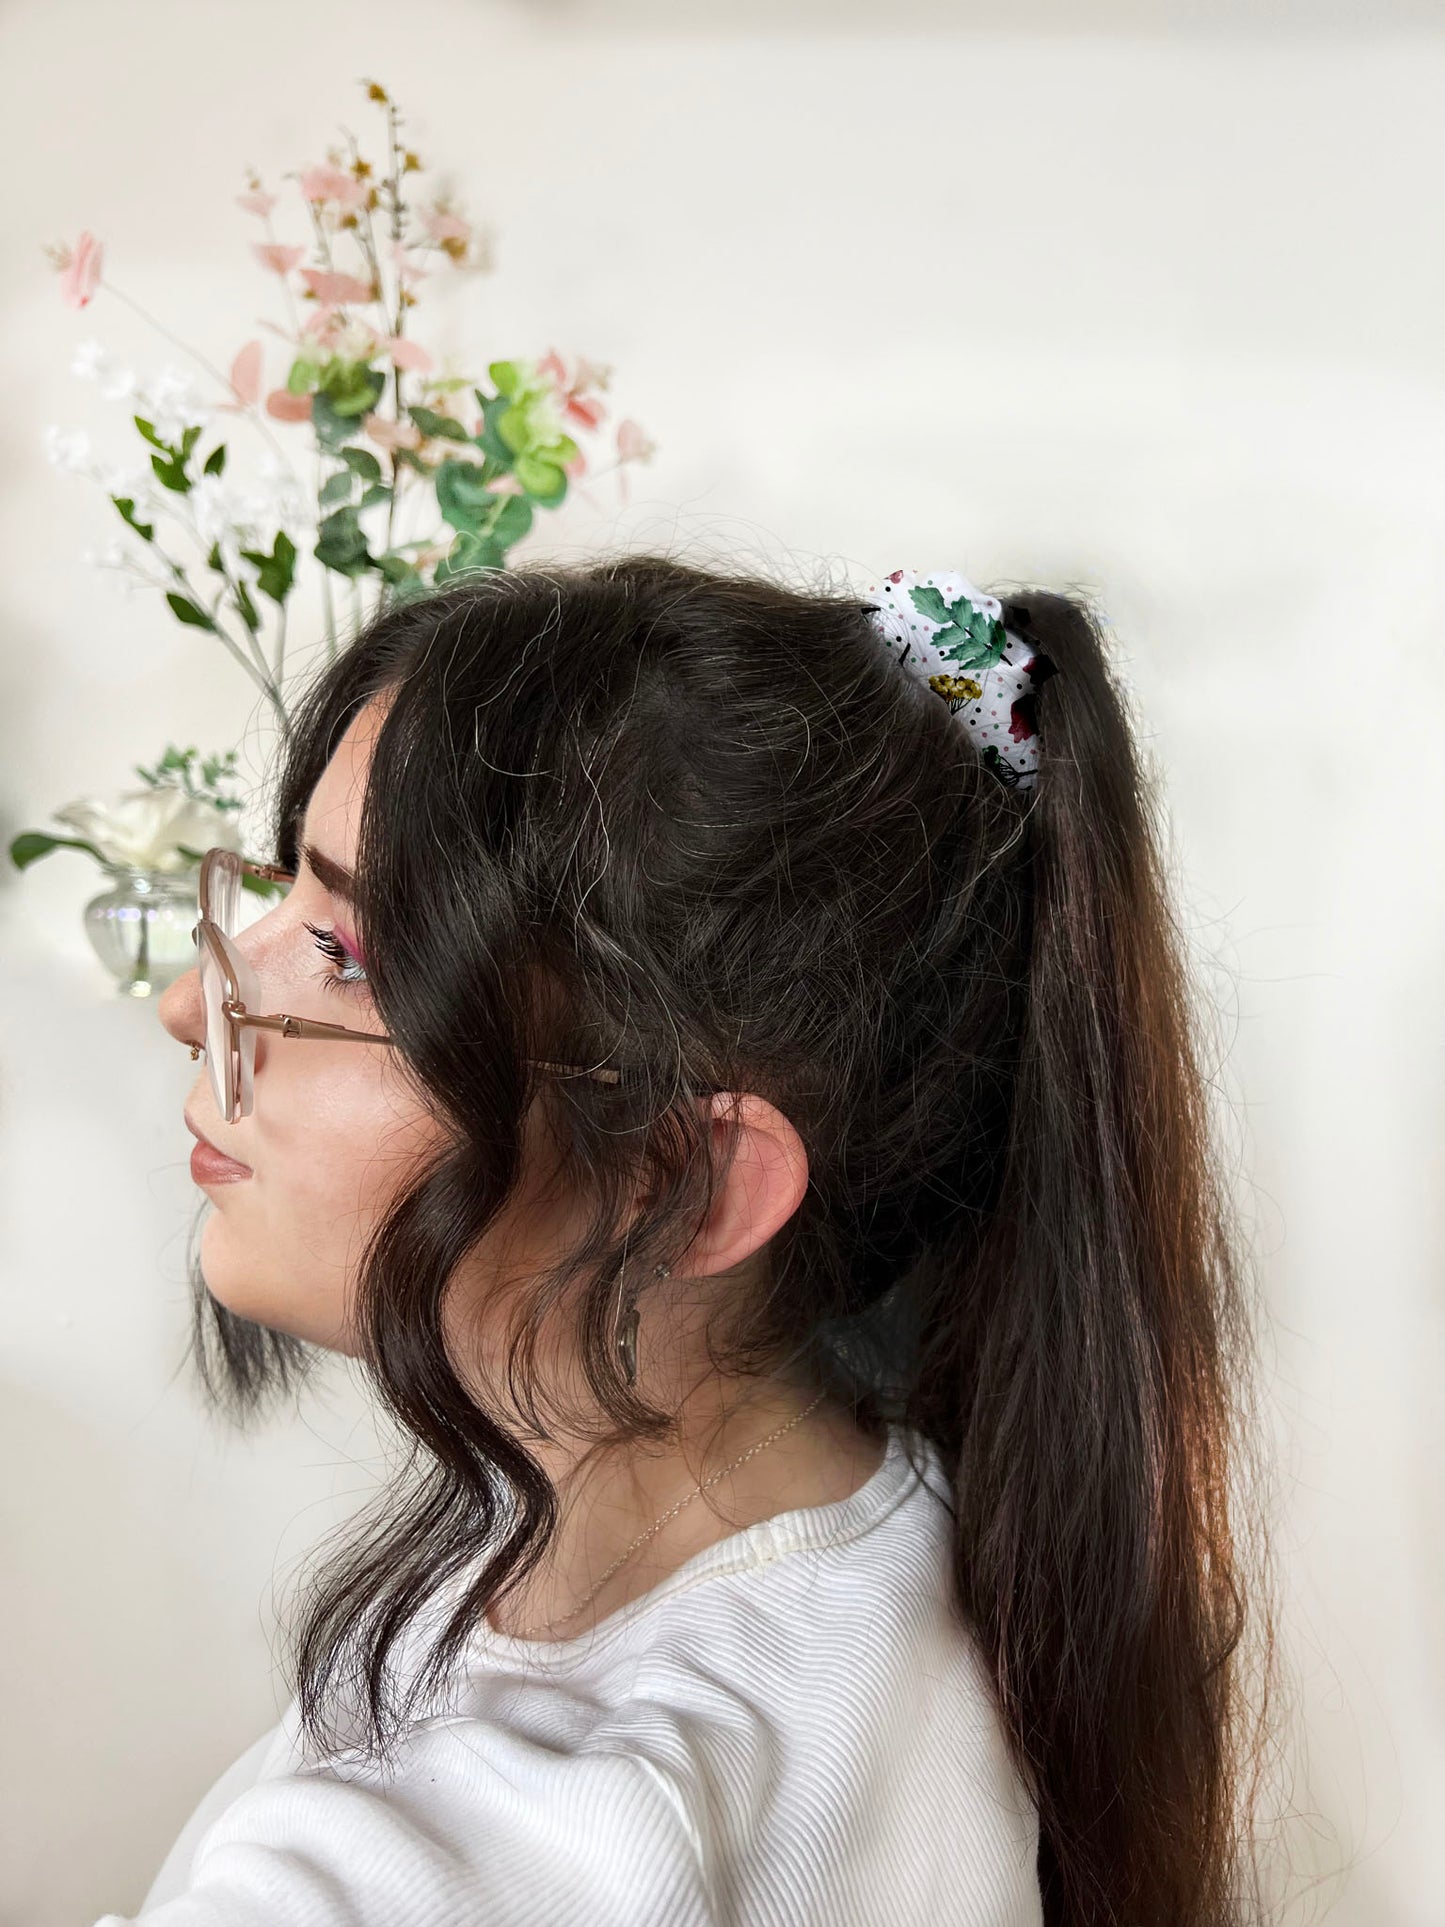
(1093, 1369)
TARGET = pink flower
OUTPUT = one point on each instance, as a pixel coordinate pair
(328, 328)
(577, 467)
(408, 271)
(80, 271)
(442, 226)
(335, 287)
(632, 443)
(407, 354)
(287, 407)
(256, 202)
(245, 379)
(280, 260)
(590, 374)
(321, 320)
(331, 184)
(392, 434)
(586, 414)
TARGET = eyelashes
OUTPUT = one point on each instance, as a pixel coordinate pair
(351, 975)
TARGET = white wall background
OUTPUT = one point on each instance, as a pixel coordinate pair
(1140, 299)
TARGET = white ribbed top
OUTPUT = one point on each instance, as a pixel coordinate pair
(791, 1728)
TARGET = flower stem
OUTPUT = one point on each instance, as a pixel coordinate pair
(250, 408)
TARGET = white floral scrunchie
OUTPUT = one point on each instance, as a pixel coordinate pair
(949, 635)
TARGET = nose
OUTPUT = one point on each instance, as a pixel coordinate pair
(179, 1008)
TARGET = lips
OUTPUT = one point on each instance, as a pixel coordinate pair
(211, 1155)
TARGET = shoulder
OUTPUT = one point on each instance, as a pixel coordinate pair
(792, 1729)
(821, 1722)
(471, 1823)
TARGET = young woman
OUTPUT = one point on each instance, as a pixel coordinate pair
(743, 1113)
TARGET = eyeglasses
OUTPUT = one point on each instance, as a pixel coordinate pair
(230, 992)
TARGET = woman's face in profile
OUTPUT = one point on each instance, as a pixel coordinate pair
(334, 1128)
(337, 1133)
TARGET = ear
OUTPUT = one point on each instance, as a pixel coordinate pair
(763, 1187)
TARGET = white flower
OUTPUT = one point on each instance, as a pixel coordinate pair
(170, 404)
(141, 829)
(112, 556)
(120, 383)
(217, 507)
(68, 448)
(92, 360)
(134, 485)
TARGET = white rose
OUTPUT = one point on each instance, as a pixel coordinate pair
(141, 829)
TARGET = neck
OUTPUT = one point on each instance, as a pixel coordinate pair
(609, 1498)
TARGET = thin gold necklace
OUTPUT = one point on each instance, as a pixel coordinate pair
(547, 1625)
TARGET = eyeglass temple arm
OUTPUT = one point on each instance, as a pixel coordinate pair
(304, 1027)
(313, 1027)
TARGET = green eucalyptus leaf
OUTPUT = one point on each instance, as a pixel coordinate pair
(462, 496)
(361, 462)
(148, 430)
(543, 480)
(337, 488)
(331, 428)
(468, 553)
(488, 439)
(431, 423)
(342, 544)
(409, 589)
(190, 612)
(514, 431)
(513, 520)
(353, 389)
(378, 492)
(395, 568)
(303, 375)
(490, 470)
(31, 844)
(216, 460)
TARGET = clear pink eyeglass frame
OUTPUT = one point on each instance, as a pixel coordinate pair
(237, 986)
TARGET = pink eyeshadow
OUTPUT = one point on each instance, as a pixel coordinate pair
(343, 936)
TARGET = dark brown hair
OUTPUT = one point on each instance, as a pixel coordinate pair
(694, 825)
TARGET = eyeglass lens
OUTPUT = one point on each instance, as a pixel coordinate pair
(231, 1055)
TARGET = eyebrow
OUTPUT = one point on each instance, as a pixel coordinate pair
(332, 875)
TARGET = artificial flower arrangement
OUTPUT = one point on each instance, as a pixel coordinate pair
(465, 465)
(167, 827)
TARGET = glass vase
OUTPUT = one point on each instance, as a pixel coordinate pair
(141, 926)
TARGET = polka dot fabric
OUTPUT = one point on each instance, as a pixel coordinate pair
(950, 636)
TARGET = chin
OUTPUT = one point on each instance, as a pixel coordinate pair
(235, 1280)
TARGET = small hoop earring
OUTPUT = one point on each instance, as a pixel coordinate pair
(627, 1327)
